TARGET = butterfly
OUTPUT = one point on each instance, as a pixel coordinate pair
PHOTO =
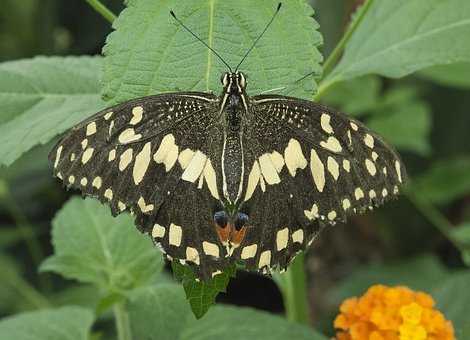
(222, 179)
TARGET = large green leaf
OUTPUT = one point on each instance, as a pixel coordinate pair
(67, 323)
(444, 181)
(172, 319)
(462, 235)
(43, 97)
(398, 37)
(94, 247)
(149, 53)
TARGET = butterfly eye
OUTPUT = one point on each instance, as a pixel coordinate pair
(224, 79)
(242, 80)
(221, 218)
(240, 221)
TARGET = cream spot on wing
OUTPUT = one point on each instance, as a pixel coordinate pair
(268, 170)
(358, 193)
(333, 167)
(121, 206)
(395, 190)
(128, 135)
(331, 215)
(331, 144)
(374, 155)
(282, 237)
(217, 272)
(325, 123)
(192, 255)
(349, 137)
(253, 179)
(59, 175)
(108, 115)
(84, 181)
(141, 164)
(112, 155)
(84, 143)
(91, 129)
(136, 115)
(372, 194)
(264, 259)
(262, 183)
(145, 208)
(398, 169)
(318, 170)
(185, 157)
(210, 249)
(97, 182)
(86, 156)
(384, 192)
(175, 235)
(293, 157)
(211, 180)
(195, 167)
(57, 156)
(111, 127)
(369, 141)
(125, 159)
(277, 160)
(346, 165)
(72, 156)
(158, 231)
(354, 126)
(346, 204)
(249, 251)
(71, 179)
(312, 213)
(108, 194)
(370, 167)
(298, 236)
(384, 170)
(167, 152)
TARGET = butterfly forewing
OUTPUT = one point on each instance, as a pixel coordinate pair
(307, 166)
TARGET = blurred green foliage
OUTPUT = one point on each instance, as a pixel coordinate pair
(103, 268)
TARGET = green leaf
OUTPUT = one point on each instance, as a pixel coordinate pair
(445, 181)
(421, 273)
(398, 37)
(356, 97)
(461, 234)
(453, 298)
(172, 319)
(407, 127)
(150, 53)
(67, 323)
(93, 247)
(455, 75)
(42, 97)
(201, 295)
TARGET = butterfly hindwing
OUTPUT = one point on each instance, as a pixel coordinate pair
(308, 166)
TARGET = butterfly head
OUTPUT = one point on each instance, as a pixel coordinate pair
(234, 82)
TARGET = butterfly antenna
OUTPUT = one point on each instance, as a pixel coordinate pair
(202, 41)
(259, 37)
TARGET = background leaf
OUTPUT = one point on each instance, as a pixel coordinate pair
(67, 323)
(149, 53)
(172, 319)
(93, 247)
(398, 37)
(42, 97)
(455, 75)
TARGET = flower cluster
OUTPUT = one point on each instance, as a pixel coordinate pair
(392, 313)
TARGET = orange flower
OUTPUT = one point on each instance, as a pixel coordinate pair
(392, 313)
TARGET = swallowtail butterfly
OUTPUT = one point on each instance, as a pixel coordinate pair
(218, 179)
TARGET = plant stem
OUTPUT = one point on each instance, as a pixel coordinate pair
(102, 9)
(333, 58)
(29, 293)
(433, 215)
(123, 325)
(294, 291)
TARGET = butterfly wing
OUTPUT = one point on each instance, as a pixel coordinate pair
(152, 156)
(307, 166)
